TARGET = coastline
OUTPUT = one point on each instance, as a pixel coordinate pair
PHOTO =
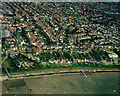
(60, 71)
(74, 83)
(71, 68)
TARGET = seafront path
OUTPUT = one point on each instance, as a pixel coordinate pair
(57, 71)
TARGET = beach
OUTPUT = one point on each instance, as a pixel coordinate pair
(75, 83)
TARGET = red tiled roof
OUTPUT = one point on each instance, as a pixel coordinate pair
(71, 27)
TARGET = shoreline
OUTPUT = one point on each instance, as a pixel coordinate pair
(53, 75)
(74, 83)
(59, 72)
(82, 68)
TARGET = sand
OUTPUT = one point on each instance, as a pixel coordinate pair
(96, 83)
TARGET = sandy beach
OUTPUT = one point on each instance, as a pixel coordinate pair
(96, 83)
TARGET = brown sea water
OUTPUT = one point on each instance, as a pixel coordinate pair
(95, 83)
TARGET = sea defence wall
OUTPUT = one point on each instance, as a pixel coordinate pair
(59, 72)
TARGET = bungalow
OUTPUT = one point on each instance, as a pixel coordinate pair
(23, 42)
(23, 47)
(113, 55)
(14, 48)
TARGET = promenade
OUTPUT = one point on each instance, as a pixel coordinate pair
(57, 71)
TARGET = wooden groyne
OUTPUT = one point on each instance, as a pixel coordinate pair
(84, 74)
